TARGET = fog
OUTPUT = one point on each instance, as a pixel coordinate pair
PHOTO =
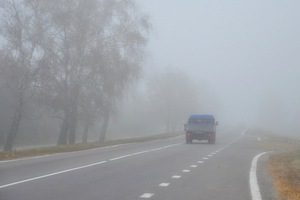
(245, 52)
(142, 67)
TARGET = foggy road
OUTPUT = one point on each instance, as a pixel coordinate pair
(75, 71)
(161, 169)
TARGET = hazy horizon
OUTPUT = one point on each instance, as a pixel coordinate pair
(245, 52)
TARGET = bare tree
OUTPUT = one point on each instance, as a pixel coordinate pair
(96, 48)
(21, 31)
(121, 55)
(60, 50)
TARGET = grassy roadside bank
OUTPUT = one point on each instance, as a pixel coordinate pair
(78, 147)
(284, 166)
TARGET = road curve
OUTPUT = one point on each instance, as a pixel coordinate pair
(161, 169)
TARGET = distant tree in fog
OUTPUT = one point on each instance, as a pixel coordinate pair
(173, 96)
(77, 57)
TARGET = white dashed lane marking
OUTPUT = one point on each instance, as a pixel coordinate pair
(176, 176)
(164, 184)
(147, 195)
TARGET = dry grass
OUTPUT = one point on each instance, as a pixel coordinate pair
(285, 168)
(284, 164)
(77, 147)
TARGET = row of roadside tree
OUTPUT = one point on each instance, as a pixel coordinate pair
(66, 66)
(73, 58)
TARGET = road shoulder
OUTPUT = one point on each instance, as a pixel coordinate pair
(265, 179)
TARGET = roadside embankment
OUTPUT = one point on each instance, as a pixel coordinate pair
(285, 168)
(283, 165)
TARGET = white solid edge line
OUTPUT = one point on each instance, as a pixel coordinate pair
(238, 138)
(234, 141)
(60, 154)
(52, 174)
(146, 151)
(254, 187)
(85, 166)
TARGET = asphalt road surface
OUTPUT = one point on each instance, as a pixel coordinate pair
(165, 169)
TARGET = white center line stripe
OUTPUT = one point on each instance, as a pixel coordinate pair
(185, 170)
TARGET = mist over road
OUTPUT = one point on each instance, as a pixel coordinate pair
(161, 169)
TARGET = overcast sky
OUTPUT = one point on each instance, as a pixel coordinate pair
(247, 52)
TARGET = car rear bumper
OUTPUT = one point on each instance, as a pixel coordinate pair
(200, 135)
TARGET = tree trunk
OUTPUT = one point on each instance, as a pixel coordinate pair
(85, 133)
(63, 135)
(74, 114)
(73, 128)
(102, 137)
(15, 124)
